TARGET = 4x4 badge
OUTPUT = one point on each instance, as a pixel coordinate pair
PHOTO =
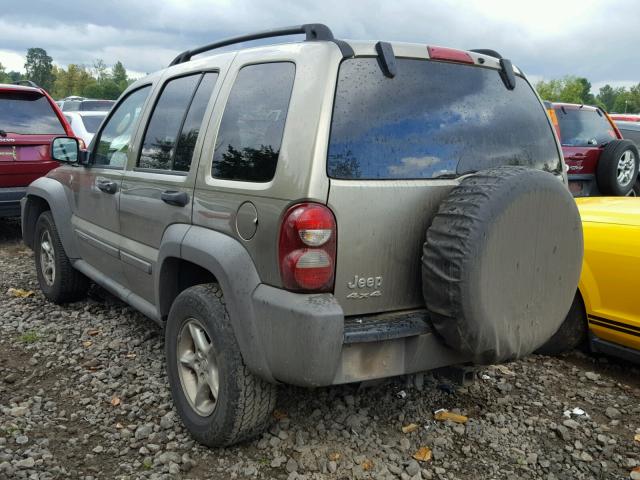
(9, 153)
(365, 282)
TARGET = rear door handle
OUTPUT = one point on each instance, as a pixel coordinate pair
(107, 186)
(176, 198)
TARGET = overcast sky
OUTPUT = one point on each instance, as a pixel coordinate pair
(596, 39)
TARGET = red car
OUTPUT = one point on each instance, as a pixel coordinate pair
(29, 121)
(599, 160)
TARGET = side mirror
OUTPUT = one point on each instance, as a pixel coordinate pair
(66, 150)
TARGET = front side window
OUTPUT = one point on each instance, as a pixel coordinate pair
(434, 120)
(252, 125)
(28, 114)
(114, 141)
(583, 127)
(175, 123)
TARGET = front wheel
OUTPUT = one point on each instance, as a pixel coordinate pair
(58, 280)
(219, 400)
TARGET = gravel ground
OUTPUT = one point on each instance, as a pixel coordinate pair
(83, 394)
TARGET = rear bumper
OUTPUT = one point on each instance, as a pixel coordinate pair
(583, 185)
(307, 341)
(10, 201)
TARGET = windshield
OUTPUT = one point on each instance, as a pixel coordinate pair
(583, 127)
(28, 114)
(92, 123)
(434, 119)
(96, 105)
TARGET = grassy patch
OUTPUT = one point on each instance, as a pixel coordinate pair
(29, 337)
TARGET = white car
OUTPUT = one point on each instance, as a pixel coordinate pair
(85, 124)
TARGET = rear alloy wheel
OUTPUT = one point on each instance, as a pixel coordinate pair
(218, 399)
(58, 280)
(197, 366)
(618, 168)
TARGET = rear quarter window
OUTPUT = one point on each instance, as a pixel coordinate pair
(434, 119)
(252, 125)
(28, 114)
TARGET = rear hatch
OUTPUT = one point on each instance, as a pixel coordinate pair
(28, 123)
(397, 147)
(583, 132)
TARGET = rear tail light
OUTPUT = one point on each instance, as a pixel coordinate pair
(554, 120)
(307, 248)
(614, 133)
(449, 54)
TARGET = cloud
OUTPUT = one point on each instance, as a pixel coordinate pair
(412, 166)
(547, 38)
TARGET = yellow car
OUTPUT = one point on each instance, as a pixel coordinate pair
(607, 304)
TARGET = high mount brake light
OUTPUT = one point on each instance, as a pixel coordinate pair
(450, 55)
(307, 248)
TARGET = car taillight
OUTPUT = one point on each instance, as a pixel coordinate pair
(449, 54)
(554, 120)
(307, 248)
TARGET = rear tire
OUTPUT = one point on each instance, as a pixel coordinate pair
(617, 170)
(58, 280)
(571, 334)
(219, 400)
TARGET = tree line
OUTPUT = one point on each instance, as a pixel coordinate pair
(97, 81)
(572, 89)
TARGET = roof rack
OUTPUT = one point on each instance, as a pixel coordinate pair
(313, 31)
(28, 83)
(486, 51)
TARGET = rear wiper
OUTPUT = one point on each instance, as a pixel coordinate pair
(445, 176)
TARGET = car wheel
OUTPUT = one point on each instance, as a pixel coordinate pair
(635, 191)
(58, 280)
(219, 400)
(618, 168)
(571, 334)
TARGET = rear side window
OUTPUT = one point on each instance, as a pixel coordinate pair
(583, 128)
(434, 120)
(252, 125)
(28, 114)
(175, 122)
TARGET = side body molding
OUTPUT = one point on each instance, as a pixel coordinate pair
(53, 192)
(234, 270)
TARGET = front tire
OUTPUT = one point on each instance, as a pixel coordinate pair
(220, 402)
(58, 280)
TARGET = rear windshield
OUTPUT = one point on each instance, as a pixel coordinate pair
(583, 128)
(434, 120)
(96, 105)
(28, 114)
(92, 123)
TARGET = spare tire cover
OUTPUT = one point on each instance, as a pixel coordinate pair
(501, 262)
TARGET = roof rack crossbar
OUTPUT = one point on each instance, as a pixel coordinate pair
(29, 83)
(313, 31)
